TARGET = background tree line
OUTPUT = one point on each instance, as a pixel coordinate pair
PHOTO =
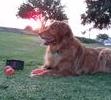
(98, 12)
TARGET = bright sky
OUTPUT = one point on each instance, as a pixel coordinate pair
(9, 8)
(8, 11)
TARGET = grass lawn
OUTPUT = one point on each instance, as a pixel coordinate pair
(21, 87)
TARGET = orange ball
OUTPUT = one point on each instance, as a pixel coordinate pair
(9, 71)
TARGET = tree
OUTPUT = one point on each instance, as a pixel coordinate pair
(28, 28)
(98, 12)
(102, 36)
(43, 9)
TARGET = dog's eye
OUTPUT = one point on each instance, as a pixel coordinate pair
(52, 27)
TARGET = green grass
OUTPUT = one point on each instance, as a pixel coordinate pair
(21, 87)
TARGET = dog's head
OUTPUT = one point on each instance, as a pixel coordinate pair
(55, 32)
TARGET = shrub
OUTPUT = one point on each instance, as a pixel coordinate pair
(86, 40)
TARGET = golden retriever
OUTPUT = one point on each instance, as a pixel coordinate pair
(65, 55)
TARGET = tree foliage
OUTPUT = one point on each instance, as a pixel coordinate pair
(47, 9)
(102, 36)
(98, 12)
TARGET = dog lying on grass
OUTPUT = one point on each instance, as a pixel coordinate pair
(65, 55)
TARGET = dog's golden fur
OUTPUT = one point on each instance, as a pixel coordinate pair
(65, 55)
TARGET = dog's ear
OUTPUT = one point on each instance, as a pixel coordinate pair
(62, 28)
(60, 25)
(65, 29)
